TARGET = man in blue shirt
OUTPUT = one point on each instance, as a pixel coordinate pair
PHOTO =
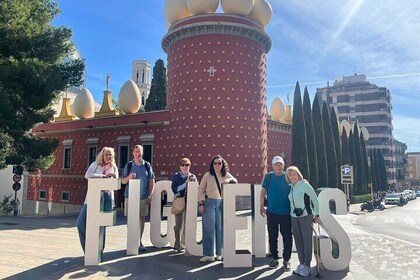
(142, 170)
(276, 188)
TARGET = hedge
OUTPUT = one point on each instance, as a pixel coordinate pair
(360, 198)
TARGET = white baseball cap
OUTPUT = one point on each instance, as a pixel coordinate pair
(277, 159)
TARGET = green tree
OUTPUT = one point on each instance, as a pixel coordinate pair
(329, 148)
(336, 136)
(345, 154)
(320, 144)
(307, 113)
(36, 63)
(299, 149)
(367, 177)
(352, 157)
(375, 185)
(379, 179)
(383, 176)
(359, 163)
(157, 97)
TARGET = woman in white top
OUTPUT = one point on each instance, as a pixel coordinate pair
(103, 167)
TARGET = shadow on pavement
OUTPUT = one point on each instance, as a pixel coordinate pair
(160, 263)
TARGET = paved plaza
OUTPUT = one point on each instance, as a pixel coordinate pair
(48, 248)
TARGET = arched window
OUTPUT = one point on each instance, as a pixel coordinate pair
(142, 79)
(137, 78)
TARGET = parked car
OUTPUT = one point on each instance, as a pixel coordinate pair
(392, 198)
(418, 193)
(410, 194)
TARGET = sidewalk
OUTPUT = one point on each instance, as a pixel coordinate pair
(48, 248)
(380, 255)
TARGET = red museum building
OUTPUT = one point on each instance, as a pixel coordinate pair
(216, 104)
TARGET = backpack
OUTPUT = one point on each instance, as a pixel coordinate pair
(130, 165)
(268, 183)
(146, 164)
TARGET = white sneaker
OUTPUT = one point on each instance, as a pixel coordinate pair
(207, 259)
(304, 271)
(219, 258)
(298, 268)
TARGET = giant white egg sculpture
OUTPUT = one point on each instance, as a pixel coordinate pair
(345, 125)
(237, 7)
(176, 10)
(365, 133)
(261, 12)
(129, 99)
(84, 105)
(196, 7)
(277, 109)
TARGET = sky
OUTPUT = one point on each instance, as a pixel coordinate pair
(313, 41)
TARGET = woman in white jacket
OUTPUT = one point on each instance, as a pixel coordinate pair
(103, 167)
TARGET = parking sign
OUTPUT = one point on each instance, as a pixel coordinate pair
(347, 174)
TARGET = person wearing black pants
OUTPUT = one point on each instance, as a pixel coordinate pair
(277, 189)
(273, 223)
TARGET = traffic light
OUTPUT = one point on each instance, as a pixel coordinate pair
(18, 169)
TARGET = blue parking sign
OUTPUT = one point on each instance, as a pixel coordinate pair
(347, 174)
(346, 170)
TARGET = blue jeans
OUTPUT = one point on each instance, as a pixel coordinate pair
(106, 205)
(212, 225)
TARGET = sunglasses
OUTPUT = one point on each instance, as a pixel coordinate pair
(184, 164)
(217, 163)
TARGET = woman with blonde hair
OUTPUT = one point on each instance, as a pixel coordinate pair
(304, 210)
(103, 167)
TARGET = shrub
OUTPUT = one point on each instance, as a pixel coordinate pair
(360, 198)
(7, 205)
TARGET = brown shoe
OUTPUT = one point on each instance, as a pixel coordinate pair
(286, 265)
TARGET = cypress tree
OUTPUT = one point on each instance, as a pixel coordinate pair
(358, 164)
(329, 148)
(336, 137)
(345, 155)
(372, 153)
(157, 97)
(382, 171)
(379, 179)
(299, 149)
(313, 165)
(320, 144)
(367, 179)
(352, 157)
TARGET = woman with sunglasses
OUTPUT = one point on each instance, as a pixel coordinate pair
(179, 188)
(211, 206)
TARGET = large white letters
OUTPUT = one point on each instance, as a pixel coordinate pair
(191, 244)
(258, 226)
(334, 230)
(158, 239)
(231, 222)
(96, 219)
(133, 217)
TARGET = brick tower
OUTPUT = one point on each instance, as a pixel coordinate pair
(216, 93)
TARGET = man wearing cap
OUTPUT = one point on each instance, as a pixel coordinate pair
(276, 188)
